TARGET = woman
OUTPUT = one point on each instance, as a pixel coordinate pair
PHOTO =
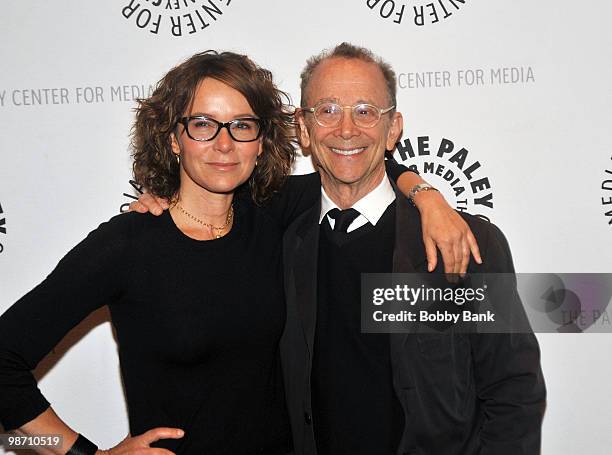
(196, 294)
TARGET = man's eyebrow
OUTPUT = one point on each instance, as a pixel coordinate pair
(337, 101)
(327, 100)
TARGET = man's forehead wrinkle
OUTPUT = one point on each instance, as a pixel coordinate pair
(364, 97)
(348, 82)
(341, 84)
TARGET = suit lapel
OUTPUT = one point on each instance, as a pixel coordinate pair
(305, 271)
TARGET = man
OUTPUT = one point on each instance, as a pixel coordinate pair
(354, 393)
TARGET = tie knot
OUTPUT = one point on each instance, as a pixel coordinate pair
(343, 218)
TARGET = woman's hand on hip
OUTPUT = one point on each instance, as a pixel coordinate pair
(140, 445)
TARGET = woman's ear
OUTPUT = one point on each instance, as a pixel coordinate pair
(174, 143)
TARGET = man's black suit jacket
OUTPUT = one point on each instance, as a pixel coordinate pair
(461, 394)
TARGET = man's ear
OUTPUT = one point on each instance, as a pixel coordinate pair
(302, 131)
(395, 130)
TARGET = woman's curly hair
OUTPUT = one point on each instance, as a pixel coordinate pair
(155, 166)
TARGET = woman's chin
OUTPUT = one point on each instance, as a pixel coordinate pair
(215, 182)
(223, 186)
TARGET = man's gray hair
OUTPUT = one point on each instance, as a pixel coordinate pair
(350, 51)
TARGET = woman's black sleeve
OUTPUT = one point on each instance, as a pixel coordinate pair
(87, 278)
(394, 169)
(298, 194)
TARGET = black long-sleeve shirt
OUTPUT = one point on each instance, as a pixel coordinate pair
(197, 325)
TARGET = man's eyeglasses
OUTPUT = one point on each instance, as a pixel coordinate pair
(202, 128)
(330, 114)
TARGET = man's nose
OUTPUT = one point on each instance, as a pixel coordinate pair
(348, 129)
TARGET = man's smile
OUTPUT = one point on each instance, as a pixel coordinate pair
(347, 151)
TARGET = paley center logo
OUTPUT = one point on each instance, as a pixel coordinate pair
(606, 197)
(174, 17)
(451, 169)
(2, 227)
(416, 12)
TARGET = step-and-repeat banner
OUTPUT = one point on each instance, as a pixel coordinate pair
(507, 109)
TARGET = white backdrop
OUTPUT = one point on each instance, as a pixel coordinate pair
(522, 86)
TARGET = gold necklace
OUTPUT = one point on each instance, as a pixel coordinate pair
(219, 229)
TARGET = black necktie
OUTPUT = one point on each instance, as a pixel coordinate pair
(343, 218)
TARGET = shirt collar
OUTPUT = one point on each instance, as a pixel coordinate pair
(371, 206)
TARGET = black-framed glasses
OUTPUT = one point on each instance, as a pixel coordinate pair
(202, 128)
(330, 114)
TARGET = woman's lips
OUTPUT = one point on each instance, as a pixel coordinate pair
(222, 166)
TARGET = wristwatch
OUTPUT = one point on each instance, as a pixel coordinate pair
(420, 187)
(82, 446)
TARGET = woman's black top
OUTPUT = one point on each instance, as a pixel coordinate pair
(197, 325)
